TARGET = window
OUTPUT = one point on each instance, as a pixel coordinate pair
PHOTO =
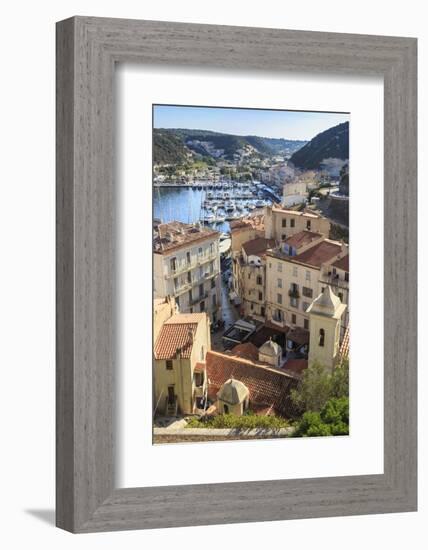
(295, 271)
(177, 301)
(202, 308)
(191, 310)
(262, 311)
(293, 318)
(259, 280)
(340, 296)
(279, 267)
(173, 264)
(279, 283)
(212, 283)
(321, 338)
(346, 276)
(169, 364)
(306, 324)
(189, 277)
(201, 290)
(308, 225)
(284, 223)
(279, 298)
(293, 302)
(252, 307)
(225, 409)
(308, 275)
(270, 265)
(188, 257)
(199, 251)
(212, 248)
(292, 223)
(249, 275)
(277, 316)
(283, 236)
(307, 292)
(176, 283)
(260, 295)
(190, 296)
(214, 300)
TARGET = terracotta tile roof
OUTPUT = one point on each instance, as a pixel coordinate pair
(344, 346)
(255, 222)
(246, 350)
(177, 334)
(258, 247)
(343, 263)
(267, 386)
(174, 235)
(302, 238)
(318, 254)
(296, 366)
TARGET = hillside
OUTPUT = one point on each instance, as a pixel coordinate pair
(332, 143)
(173, 146)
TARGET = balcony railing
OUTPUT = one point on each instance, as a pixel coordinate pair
(196, 261)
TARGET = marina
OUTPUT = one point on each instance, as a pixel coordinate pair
(213, 204)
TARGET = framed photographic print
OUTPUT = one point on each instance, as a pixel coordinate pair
(215, 364)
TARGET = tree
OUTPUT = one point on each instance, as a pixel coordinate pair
(332, 420)
(319, 384)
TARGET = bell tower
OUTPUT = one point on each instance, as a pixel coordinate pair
(325, 315)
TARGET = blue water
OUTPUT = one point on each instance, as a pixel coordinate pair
(183, 205)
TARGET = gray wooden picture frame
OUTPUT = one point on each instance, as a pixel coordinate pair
(87, 50)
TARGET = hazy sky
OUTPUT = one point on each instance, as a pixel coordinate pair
(258, 122)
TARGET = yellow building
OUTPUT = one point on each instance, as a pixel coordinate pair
(186, 265)
(294, 276)
(250, 274)
(326, 313)
(281, 223)
(180, 381)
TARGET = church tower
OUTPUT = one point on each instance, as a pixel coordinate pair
(325, 315)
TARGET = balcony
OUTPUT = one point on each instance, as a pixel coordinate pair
(294, 293)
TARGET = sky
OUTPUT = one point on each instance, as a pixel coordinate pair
(259, 122)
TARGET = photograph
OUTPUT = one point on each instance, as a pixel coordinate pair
(250, 273)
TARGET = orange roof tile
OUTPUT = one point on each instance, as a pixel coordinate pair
(174, 235)
(267, 386)
(258, 246)
(344, 346)
(302, 238)
(246, 350)
(318, 254)
(343, 263)
(177, 334)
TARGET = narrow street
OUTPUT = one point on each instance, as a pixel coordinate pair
(229, 315)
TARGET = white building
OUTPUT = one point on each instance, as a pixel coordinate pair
(186, 265)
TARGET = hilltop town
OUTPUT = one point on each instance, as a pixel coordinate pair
(249, 324)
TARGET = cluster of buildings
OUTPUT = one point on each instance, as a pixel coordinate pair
(290, 282)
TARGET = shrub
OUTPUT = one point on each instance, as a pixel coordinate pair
(332, 420)
(248, 421)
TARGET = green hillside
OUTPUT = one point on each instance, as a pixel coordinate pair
(332, 143)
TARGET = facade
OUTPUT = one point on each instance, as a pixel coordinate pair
(281, 223)
(250, 275)
(294, 276)
(336, 275)
(180, 381)
(294, 193)
(186, 265)
(326, 313)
